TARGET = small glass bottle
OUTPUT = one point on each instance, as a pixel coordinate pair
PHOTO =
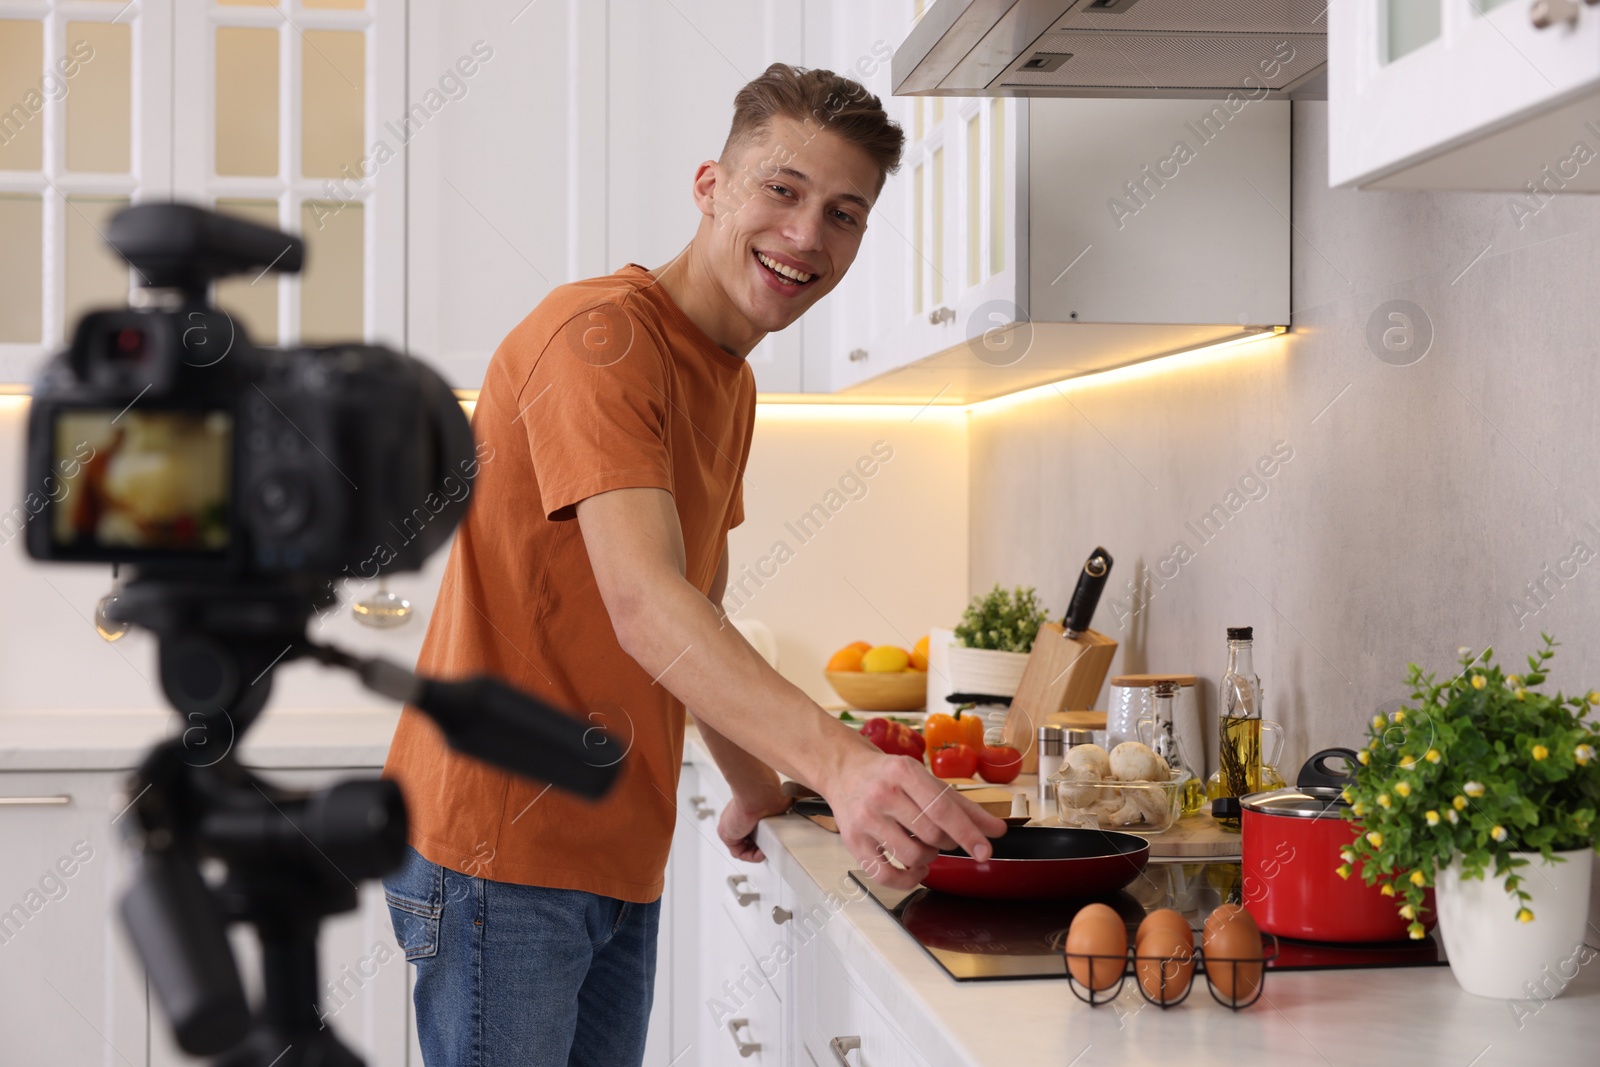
(1239, 715)
(1164, 742)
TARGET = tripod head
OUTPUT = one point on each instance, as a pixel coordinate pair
(291, 857)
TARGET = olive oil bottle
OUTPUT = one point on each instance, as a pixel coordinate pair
(1239, 713)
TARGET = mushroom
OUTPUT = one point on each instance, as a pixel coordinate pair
(1132, 761)
(1090, 758)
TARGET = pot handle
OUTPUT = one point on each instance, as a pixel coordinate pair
(1315, 774)
(1225, 808)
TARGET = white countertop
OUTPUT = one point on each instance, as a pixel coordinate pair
(118, 740)
(1416, 1017)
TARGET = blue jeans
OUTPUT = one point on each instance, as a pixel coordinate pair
(523, 975)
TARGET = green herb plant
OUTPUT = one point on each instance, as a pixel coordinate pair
(1480, 767)
(1003, 620)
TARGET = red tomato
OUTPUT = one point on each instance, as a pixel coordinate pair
(999, 763)
(955, 761)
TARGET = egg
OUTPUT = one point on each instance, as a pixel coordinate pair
(1097, 931)
(1232, 946)
(1164, 954)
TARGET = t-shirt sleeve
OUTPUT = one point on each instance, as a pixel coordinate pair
(595, 410)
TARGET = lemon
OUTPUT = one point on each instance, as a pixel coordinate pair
(885, 659)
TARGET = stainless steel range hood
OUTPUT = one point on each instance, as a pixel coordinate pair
(1202, 49)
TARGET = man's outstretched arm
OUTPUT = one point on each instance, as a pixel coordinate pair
(886, 806)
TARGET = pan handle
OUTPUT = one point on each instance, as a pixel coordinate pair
(1315, 773)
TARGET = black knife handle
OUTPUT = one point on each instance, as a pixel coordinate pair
(1086, 597)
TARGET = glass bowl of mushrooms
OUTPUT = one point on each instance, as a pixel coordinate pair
(1130, 789)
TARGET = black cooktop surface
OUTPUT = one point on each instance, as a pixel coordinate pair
(987, 939)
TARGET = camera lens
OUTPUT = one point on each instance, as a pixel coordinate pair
(127, 345)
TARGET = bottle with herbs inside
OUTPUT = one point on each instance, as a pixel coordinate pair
(1239, 712)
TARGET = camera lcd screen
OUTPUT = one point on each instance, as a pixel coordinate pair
(142, 481)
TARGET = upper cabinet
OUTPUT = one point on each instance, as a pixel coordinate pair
(1489, 95)
(1026, 241)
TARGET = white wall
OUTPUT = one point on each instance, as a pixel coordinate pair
(1421, 501)
(889, 565)
(886, 567)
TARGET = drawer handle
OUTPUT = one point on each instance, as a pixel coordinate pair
(701, 810)
(36, 802)
(746, 1048)
(745, 896)
(857, 355)
(842, 1047)
(781, 914)
(941, 314)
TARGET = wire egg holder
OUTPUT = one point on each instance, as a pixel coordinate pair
(1174, 964)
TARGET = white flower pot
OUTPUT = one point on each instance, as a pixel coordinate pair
(1494, 955)
(984, 670)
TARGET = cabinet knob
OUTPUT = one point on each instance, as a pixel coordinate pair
(1546, 13)
(745, 896)
(701, 811)
(841, 1048)
(941, 314)
(781, 914)
(746, 1048)
(33, 802)
(857, 355)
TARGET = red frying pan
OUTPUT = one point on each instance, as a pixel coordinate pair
(1043, 863)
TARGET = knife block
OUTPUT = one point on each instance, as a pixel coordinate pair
(1062, 674)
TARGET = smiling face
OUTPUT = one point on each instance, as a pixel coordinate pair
(787, 212)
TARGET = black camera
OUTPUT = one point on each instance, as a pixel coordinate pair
(239, 484)
(164, 438)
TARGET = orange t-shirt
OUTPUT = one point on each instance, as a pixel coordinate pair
(606, 385)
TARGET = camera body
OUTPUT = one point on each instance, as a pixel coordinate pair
(164, 438)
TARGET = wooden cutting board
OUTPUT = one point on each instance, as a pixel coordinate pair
(1196, 837)
(995, 799)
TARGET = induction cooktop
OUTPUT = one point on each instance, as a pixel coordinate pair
(979, 940)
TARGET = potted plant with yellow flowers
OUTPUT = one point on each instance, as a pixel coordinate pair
(1486, 789)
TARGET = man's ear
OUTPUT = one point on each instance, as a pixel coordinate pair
(706, 179)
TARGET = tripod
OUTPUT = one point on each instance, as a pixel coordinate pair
(291, 857)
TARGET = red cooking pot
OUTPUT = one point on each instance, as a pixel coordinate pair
(1292, 841)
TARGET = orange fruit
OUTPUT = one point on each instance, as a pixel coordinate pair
(919, 654)
(886, 659)
(860, 646)
(847, 658)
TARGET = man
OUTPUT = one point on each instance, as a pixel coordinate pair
(617, 419)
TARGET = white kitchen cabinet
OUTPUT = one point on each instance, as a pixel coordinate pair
(71, 989)
(1465, 94)
(839, 1023)
(741, 989)
(1085, 234)
(570, 153)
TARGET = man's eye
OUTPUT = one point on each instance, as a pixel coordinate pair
(784, 189)
(845, 217)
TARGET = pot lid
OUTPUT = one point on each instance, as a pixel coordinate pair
(1298, 803)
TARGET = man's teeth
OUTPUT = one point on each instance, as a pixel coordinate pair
(778, 268)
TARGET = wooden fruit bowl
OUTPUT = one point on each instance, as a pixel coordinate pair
(873, 691)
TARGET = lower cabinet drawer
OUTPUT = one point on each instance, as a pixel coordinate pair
(839, 1026)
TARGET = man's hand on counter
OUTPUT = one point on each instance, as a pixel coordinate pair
(737, 825)
(894, 817)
